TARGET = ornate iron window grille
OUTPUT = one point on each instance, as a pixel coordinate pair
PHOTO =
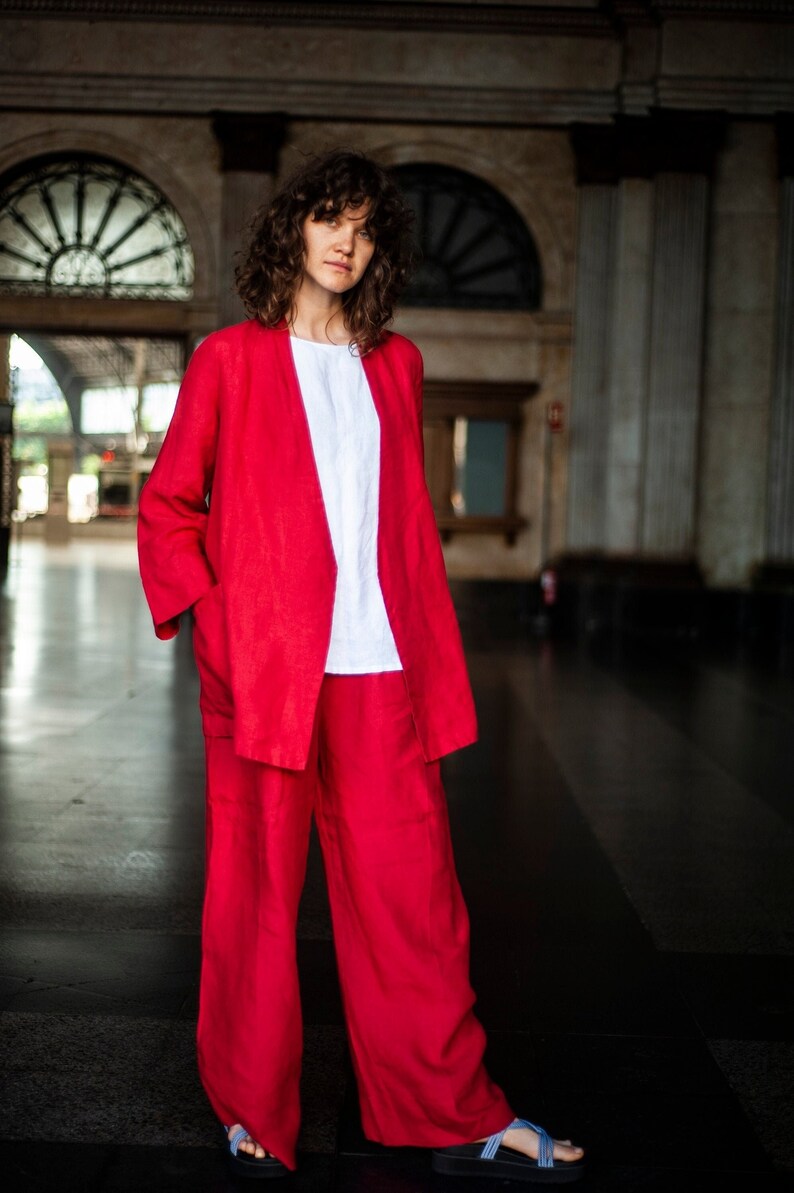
(476, 251)
(91, 227)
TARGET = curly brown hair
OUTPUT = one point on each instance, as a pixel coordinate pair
(272, 266)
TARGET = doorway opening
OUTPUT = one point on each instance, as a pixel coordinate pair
(89, 415)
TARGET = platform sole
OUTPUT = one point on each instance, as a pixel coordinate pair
(506, 1165)
(257, 1170)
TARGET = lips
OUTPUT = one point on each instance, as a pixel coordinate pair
(340, 265)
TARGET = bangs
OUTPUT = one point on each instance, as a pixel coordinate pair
(346, 181)
(336, 204)
(339, 203)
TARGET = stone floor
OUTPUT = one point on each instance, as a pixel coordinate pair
(623, 833)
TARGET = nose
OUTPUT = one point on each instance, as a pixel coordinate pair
(345, 240)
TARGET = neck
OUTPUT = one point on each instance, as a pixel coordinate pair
(318, 316)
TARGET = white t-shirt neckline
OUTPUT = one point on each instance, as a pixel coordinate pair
(324, 343)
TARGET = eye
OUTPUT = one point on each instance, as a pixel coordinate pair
(330, 220)
(367, 235)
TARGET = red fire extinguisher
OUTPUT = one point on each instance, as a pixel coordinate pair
(548, 585)
(555, 417)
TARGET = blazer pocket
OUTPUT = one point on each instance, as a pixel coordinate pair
(211, 650)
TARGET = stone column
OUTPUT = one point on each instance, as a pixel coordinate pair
(250, 146)
(60, 466)
(8, 497)
(739, 356)
(592, 320)
(638, 332)
(628, 349)
(675, 364)
(780, 490)
(681, 149)
(589, 429)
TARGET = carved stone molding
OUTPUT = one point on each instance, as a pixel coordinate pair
(749, 96)
(726, 9)
(599, 21)
(474, 18)
(301, 98)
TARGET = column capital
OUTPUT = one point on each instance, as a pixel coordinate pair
(665, 141)
(595, 151)
(249, 141)
(784, 127)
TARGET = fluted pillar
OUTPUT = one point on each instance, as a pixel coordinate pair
(628, 372)
(589, 430)
(638, 333)
(675, 364)
(250, 146)
(780, 490)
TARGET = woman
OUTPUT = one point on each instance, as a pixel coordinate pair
(288, 509)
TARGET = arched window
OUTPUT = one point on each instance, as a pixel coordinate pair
(477, 252)
(90, 227)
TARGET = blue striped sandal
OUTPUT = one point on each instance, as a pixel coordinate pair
(492, 1159)
(241, 1164)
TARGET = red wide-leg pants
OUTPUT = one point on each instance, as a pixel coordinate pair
(400, 927)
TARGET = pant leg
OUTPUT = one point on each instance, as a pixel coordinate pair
(249, 1027)
(400, 924)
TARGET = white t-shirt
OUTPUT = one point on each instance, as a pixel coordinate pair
(345, 433)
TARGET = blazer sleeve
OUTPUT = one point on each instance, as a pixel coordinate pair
(173, 511)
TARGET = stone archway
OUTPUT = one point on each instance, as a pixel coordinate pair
(76, 225)
(477, 252)
(138, 159)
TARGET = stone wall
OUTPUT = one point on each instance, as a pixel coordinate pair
(740, 344)
(663, 306)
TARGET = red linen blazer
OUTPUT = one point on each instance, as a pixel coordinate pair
(232, 523)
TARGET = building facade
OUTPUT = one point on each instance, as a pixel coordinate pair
(605, 196)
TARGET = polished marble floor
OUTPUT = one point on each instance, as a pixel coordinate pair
(623, 834)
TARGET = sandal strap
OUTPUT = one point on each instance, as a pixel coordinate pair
(545, 1143)
(236, 1140)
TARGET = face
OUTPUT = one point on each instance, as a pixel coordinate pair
(338, 250)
